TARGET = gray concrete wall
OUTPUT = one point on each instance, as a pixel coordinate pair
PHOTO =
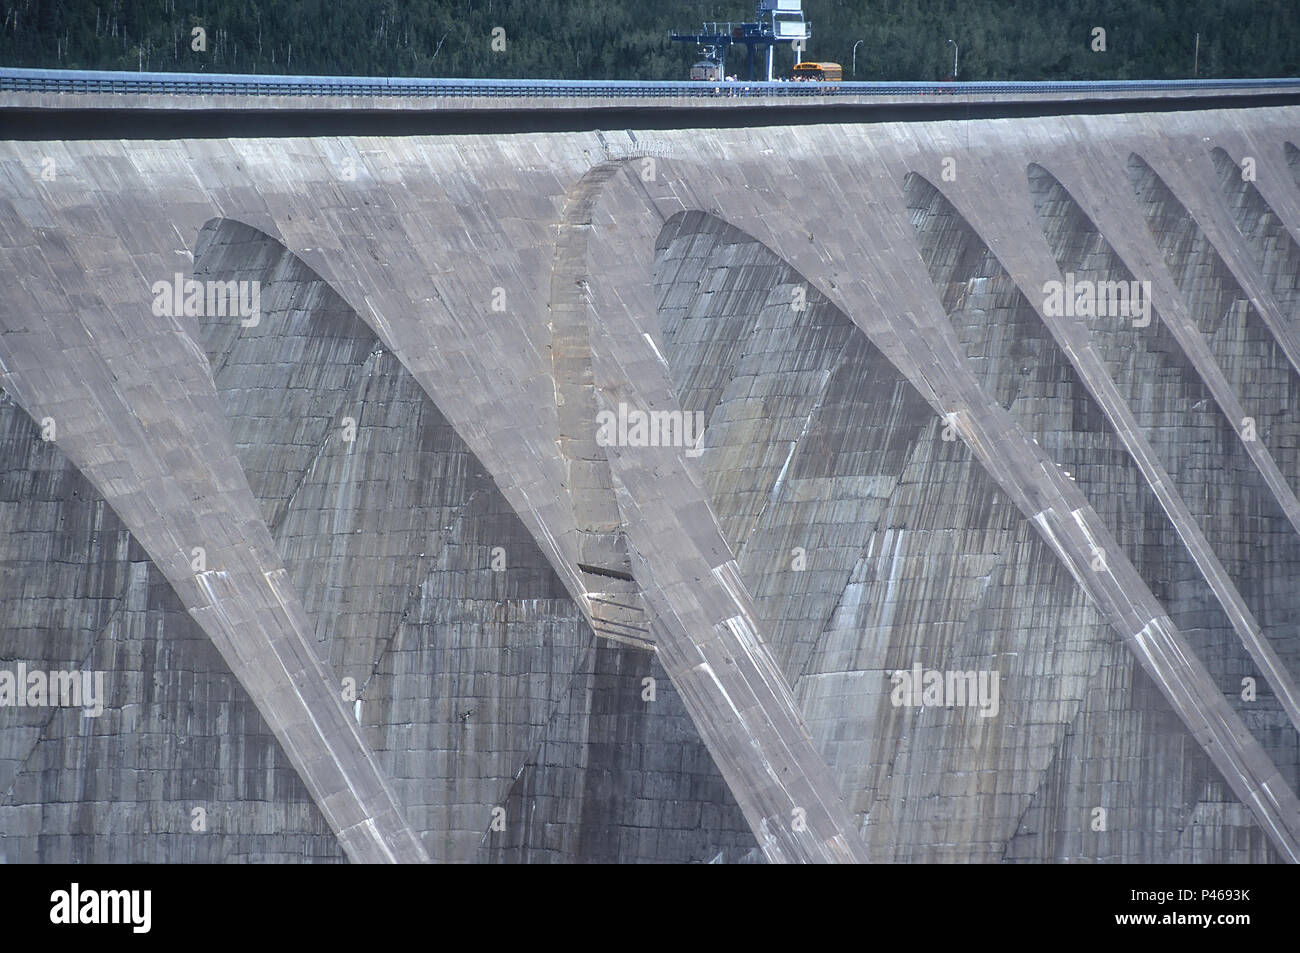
(425, 287)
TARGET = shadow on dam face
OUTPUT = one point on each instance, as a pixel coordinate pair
(1242, 346)
(869, 533)
(179, 767)
(1019, 362)
(1275, 252)
(836, 488)
(476, 679)
(1182, 422)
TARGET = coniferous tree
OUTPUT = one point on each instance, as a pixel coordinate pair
(622, 39)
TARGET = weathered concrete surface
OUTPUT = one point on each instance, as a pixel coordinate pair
(424, 586)
(177, 733)
(825, 434)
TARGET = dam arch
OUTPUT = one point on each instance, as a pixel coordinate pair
(1036, 368)
(713, 191)
(478, 682)
(429, 228)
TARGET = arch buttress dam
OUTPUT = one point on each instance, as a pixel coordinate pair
(1270, 244)
(420, 239)
(243, 184)
(874, 283)
(136, 412)
(1020, 362)
(1031, 265)
(1267, 510)
(477, 681)
(1004, 220)
(1076, 537)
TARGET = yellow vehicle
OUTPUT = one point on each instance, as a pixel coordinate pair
(818, 72)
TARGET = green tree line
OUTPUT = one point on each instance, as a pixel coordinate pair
(628, 39)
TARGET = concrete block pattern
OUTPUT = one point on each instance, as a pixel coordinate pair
(177, 732)
(886, 404)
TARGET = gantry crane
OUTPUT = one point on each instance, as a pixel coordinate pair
(779, 22)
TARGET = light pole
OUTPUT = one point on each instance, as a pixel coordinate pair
(855, 57)
(955, 49)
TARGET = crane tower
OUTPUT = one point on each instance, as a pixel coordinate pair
(779, 22)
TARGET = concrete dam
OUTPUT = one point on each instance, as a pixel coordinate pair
(891, 491)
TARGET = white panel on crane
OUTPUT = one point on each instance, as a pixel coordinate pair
(790, 29)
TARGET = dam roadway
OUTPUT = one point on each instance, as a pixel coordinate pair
(563, 650)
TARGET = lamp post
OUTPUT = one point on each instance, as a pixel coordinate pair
(955, 49)
(855, 57)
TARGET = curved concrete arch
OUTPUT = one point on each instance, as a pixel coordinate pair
(389, 529)
(176, 731)
(1276, 253)
(882, 282)
(417, 266)
(765, 360)
(812, 432)
(1172, 354)
(433, 242)
(706, 632)
(421, 236)
(1017, 359)
(1193, 178)
(1179, 192)
(1247, 336)
(1138, 253)
(1138, 250)
(876, 292)
(166, 466)
(473, 669)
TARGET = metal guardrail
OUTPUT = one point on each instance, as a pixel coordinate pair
(209, 84)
